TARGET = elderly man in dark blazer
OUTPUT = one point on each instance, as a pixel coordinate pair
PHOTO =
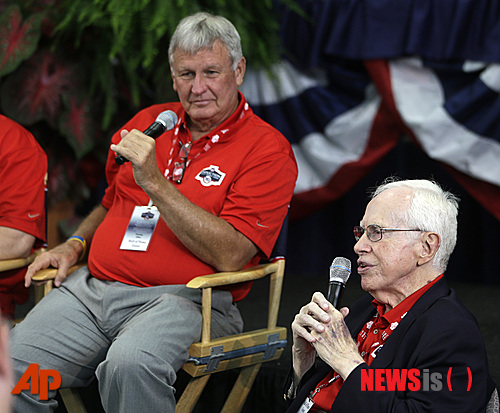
(409, 345)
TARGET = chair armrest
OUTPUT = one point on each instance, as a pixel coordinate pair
(15, 263)
(12, 264)
(227, 278)
(276, 271)
(50, 273)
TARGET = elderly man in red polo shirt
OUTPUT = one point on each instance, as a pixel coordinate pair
(203, 197)
(407, 346)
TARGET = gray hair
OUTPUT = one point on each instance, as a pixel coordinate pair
(431, 209)
(200, 31)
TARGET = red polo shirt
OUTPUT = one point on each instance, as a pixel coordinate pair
(370, 341)
(22, 184)
(244, 172)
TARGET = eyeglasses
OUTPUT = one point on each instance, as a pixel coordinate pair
(374, 232)
(180, 168)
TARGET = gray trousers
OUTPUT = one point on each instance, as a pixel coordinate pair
(133, 339)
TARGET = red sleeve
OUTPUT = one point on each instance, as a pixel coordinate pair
(258, 200)
(22, 180)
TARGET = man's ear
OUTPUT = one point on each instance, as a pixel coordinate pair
(240, 71)
(429, 247)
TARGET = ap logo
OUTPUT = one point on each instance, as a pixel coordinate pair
(39, 379)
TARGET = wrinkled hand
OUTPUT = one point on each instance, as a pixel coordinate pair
(334, 343)
(140, 150)
(312, 317)
(61, 257)
(320, 329)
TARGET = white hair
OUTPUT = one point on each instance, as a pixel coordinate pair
(431, 209)
(200, 31)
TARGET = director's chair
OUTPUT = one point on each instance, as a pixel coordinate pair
(246, 351)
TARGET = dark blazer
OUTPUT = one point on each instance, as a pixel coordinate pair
(437, 334)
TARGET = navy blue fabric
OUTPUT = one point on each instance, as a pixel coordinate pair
(383, 29)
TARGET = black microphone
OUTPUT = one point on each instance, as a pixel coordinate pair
(166, 120)
(340, 270)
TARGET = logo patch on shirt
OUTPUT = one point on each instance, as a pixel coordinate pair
(211, 176)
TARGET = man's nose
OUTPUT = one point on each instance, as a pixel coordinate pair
(363, 244)
(199, 84)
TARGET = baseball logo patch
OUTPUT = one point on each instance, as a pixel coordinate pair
(211, 176)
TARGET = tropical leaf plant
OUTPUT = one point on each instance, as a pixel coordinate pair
(18, 39)
(73, 71)
(34, 92)
(76, 123)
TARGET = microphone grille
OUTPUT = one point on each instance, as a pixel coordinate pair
(168, 118)
(340, 270)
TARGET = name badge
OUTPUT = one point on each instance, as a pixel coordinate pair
(140, 228)
(306, 406)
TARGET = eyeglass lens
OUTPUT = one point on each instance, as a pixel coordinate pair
(358, 232)
(373, 232)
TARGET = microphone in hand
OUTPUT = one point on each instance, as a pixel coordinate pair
(166, 120)
(340, 270)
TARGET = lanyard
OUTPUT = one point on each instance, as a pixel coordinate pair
(184, 152)
(322, 386)
(309, 402)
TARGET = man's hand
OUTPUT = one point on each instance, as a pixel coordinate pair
(320, 328)
(67, 254)
(140, 150)
(312, 317)
(61, 257)
(333, 342)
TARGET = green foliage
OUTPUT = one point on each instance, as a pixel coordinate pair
(135, 35)
(77, 69)
(18, 40)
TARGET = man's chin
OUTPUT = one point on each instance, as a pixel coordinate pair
(366, 283)
(201, 114)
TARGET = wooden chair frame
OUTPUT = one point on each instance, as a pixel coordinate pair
(250, 349)
(17, 263)
(247, 350)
